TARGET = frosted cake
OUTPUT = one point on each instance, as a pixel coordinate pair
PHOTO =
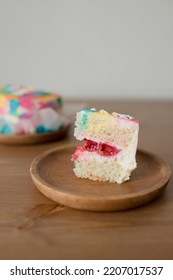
(109, 151)
(25, 110)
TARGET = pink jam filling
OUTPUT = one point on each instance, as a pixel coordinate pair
(78, 152)
(101, 148)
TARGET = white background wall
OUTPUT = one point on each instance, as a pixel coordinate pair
(91, 48)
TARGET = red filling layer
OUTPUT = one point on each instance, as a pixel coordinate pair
(102, 148)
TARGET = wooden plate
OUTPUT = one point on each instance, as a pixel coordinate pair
(33, 138)
(52, 173)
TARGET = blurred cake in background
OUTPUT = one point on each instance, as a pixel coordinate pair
(25, 110)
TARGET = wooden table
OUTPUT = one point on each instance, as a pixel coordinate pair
(33, 227)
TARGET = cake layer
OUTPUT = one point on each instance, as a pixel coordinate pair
(96, 167)
(25, 110)
(113, 129)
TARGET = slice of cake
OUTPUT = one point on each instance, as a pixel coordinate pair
(25, 110)
(109, 151)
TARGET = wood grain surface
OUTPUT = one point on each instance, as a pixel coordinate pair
(34, 227)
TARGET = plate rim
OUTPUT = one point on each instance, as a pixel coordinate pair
(36, 177)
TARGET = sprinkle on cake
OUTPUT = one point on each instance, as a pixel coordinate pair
(25, 110)
(109, 151)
